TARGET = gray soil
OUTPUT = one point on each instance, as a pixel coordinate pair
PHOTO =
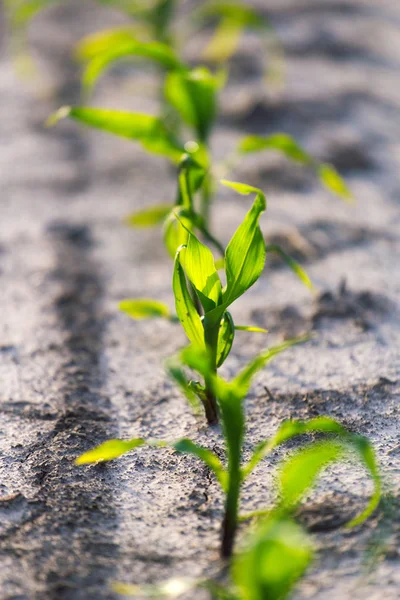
(75, 372)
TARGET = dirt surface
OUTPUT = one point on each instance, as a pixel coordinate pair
(75, 372)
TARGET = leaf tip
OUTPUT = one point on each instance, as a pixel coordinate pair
(61, 113)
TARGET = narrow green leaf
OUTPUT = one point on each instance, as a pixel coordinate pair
(276, 555)
(145, 308)
(178, 375)
(237, 11)
(367, 457)
(146, 129)
(279, 142)
(225, 338)
(287, 431)
(224, 42)
(101, 41)
(331, 179)
(149, 217)
(176, 231)
(245, 376)
(156, 52)
(108, 451)
(198, 263)
(193, 95)
(251, 328)
(293, 264)
(185, 308)
(220, 264)
(196, 358)
(245, 254)
(186, 446)
(298, 473)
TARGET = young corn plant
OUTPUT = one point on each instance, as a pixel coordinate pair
(201, 300)
(297, 473)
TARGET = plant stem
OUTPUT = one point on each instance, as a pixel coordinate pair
(211, 340)
(229, 524)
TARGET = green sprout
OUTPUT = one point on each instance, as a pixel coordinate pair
(297, 473)
(201, 300)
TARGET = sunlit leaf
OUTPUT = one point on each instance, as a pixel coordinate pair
(287, 431)
(149, 217)
(212, 461)
(108, 451)
(298, 473)
(225, 338)
(245, 376)
(251, 328)
(331, 179)
(233, 18)
(279, 142)
(101, 41)
(198, 262)
(178, 375)
(245, 253)
(293, 264)
(144, 308)
(156, 52)
(146, 129)
(193, 95)
(185, 309)
(275, 557)
(176, 231)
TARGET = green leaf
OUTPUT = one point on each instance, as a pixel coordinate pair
(149, 217)
(156, 52)
(193, 95)
(146, 129)
(108, 451)
(176, 231)
(292, 264)
(178, 375)
(243, 380)
(331, 179)
(185, 308)
(212, 461)
(101, 41)
(276, 556)
(245, 254)
(280, 142)
(226, 336)
(367, 457)
(145, 308)
(233, 18)
(21, 12)
(287, 431)
(224, 42)
(237, 11)
(251, 328)
(198, 263)
(299, 472)
(220, 264)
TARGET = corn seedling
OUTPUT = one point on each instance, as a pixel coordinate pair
(297, 474)
(201, 301)
(273, 558)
